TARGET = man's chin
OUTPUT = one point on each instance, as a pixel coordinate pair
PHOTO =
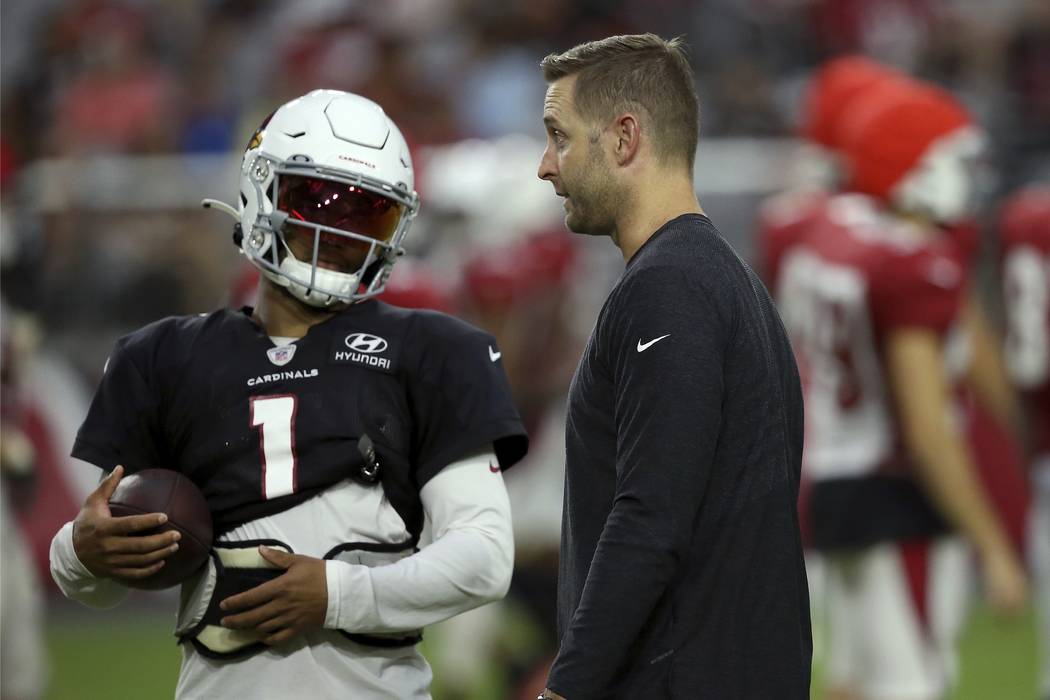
(574, 222)
(578, 225)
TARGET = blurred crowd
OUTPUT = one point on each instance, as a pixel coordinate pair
(86, 81)
(83, 79)
(129, 76)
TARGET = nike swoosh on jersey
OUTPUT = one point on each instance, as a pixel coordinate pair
(493, 355)
(642, 347)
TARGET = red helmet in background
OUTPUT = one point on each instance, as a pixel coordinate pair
(912, 146)
(836, 85)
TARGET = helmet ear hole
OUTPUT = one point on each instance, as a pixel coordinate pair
(238, 234)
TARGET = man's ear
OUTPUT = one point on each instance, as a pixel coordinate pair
(626, 132)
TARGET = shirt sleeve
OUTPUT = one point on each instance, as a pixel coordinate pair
(468, 564)
(122, 425)
(920, 289)
(75, 580)
(665, 348)
(462, 401)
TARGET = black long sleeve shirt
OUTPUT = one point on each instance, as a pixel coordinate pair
(681, 562)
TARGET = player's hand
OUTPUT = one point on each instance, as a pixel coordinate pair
(1005, 584)
(112, 547)
(278, 610)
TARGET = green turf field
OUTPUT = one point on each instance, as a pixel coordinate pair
(134, 656)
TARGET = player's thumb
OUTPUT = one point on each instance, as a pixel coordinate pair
(276, 557)
(108, 485)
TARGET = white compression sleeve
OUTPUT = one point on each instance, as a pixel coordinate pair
(469, 563)
(75, 580)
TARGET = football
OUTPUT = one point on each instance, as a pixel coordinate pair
(167, 491)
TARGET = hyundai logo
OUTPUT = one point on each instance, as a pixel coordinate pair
(365, 342)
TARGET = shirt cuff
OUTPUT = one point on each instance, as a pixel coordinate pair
(64, 556)
(350, 583)
(75, 580)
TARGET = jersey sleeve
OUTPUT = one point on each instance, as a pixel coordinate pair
(966, 237)
(461, 399)
(919, 289)
(122, 424)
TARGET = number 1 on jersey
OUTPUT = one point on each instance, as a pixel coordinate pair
(275, 415)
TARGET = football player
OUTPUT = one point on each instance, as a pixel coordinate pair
(23, 655)
(521, 292)
(323, 424)
(990, 406)
(870, 287)
(1025, 238)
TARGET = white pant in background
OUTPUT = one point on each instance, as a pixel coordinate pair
(23, 661)
(894, 614)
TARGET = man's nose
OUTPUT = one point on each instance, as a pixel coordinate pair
(548, 165)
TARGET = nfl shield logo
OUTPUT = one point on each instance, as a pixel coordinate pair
(282, 355)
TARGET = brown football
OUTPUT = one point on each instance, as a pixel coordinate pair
(167, 491)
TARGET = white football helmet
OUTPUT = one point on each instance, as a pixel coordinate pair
(326, 198)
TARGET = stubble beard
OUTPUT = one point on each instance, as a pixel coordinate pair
(594, 200)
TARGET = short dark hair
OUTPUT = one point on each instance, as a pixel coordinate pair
(636, 71)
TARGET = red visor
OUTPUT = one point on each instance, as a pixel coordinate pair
(339, 205)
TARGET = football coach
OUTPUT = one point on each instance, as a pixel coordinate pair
(681, 563)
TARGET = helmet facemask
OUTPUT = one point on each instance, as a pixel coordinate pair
(332, 236)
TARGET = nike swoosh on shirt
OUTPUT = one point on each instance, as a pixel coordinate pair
(642, 347)
(493, 355)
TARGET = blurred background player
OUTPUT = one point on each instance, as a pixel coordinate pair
(523, 293)
(986, 401)
(871, 289)
(22, 654)
(1024, 234)
(990, 408)
(272, 410)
